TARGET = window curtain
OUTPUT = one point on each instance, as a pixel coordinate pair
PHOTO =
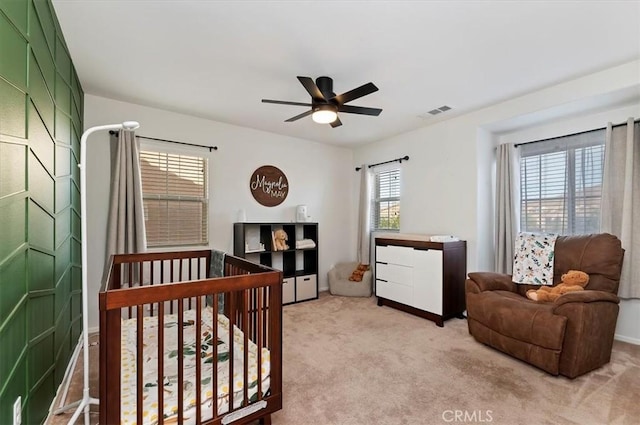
(621, 200)
(506, 221)
(364, 215)
(125, 228)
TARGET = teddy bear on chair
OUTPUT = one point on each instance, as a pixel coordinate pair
(280, 239)
(573, 280)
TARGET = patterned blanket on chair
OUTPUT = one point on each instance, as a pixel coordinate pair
(533, 258)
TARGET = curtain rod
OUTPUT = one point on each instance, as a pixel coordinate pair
(573, 134)
(404, 158)
(211, 148)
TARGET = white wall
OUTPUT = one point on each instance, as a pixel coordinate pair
(446, 184)
(319, 176)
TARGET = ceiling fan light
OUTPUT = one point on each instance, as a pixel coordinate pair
(324, 114)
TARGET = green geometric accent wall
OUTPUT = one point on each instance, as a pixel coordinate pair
(41, 105)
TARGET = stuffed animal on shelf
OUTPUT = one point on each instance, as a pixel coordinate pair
(280, 239)
(357, 274)
(573, 280)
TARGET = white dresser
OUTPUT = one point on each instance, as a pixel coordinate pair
(421, 277)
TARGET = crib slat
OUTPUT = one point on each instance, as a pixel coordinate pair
(160, 363)
(260, 342)
(198, 360)
(245, 327)
(139, 362)
(232, 316)
(180, 359)
(151, 267)
(214, 327)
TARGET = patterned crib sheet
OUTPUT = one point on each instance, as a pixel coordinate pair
(170, 379)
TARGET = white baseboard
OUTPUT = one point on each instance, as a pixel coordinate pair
(623, 338)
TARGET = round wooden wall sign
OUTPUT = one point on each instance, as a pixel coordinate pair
(269, 186)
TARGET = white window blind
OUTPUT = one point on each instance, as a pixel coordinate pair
(386, 200)
(561, 184)
(174, 191)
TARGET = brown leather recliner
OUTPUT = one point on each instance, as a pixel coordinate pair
(570, 336)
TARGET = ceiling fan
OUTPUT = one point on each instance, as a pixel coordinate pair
(325, 104)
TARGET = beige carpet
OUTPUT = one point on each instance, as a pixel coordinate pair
(348, 361)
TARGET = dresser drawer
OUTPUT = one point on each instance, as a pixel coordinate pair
(395, 273)
(394, 291)
(394, 254)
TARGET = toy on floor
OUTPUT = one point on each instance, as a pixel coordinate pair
(573, 280)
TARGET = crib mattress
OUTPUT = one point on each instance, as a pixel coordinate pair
(170, 379)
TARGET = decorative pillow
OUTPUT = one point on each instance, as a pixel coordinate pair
(357, 274)
(533, 258)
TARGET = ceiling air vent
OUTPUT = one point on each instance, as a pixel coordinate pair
(433, 112)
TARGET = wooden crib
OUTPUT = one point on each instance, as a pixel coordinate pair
(153, 303)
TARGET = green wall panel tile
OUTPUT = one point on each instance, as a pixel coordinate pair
(40, 401)
(17, 11)
(40, 184)
(76, 254)
(13, 55)
(13, 340)
(76, 305)
(40, 271)
(13, 172)
(63, 161)
(41, 320)
(40, 48)
(75, 170)
(13, 116)
(45, 20)
(76, 91)
(63, 227)
(13, 283)
(14, 226)
(40, 228)
(15, 386)
(63, 290)
(76, 225)
(40, 141)
(63, 62)
(63, 193)
(63, 99)
(63, 127)
(76, 327)
(76, 278)
(63, 260)
(40, 95)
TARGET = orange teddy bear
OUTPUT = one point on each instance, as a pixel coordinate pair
(357, 274)
(573, 280)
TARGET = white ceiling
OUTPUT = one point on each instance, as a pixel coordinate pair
(218, 59)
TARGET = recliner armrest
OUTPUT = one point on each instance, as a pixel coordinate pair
(587, 296)
(491, 281)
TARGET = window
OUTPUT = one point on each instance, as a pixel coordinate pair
(386, 200)
(561, 184)
(174, 191)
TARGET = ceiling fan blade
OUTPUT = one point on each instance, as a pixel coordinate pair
(336, 123)
(302, 115)
(360, 110)
(284, 102)
(311, 87)
(355, 93)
